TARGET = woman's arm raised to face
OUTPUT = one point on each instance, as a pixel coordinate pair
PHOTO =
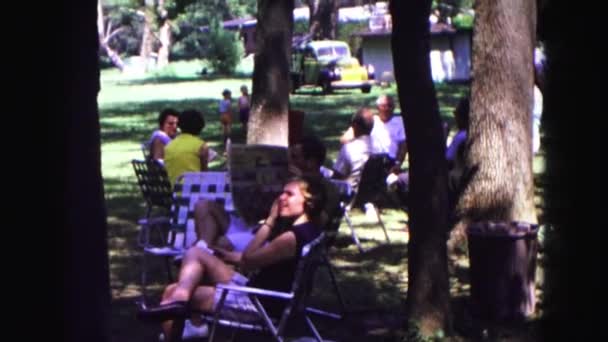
(281, 248)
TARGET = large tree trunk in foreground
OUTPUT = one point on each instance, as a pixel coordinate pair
(428, 286)
(574, 248)
(268, 122)
(77, 187)
(499, 148)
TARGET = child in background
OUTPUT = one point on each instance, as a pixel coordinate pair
(225, 109)
(244, 107)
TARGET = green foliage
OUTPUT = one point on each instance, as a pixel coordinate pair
(463, 20)
(127, 41)
(300, 27)
(190, 41)
(346, 32)
(225, 49)
(458, 10)
(414, 334)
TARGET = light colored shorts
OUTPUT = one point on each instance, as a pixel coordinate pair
(239, 233)
(235, 300)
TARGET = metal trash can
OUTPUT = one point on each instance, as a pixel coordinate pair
(502, 258)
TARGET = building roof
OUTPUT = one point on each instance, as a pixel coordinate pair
(436, 29)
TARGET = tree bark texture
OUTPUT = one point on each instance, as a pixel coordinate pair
(323, 19)
(147, 39)
(499, 148)
(85, 284)
(268, 122)
(428, 286)
(165, 38)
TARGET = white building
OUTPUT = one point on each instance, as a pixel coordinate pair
(450, 52)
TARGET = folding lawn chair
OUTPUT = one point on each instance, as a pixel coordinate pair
(259, 319)
(372, 189)
(179, 233)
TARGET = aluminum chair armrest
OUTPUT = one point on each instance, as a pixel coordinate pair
(154, 221)
(255, 290)
(164, 251)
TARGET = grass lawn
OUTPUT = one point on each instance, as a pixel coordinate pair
(374, 284)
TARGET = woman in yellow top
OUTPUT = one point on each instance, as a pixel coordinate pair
(187, 152)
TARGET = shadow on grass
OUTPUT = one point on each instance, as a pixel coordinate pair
(163, 79)
(373, 283)
(134, 121)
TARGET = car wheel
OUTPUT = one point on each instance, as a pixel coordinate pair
(326, 85)
(366, 89)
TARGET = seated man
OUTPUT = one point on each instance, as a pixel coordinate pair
(274, 250)
(388, 132)
(353, 154)
(215, 227)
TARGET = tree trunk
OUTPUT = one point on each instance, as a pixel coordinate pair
(323, 18)
(164, 35)
(77, 187)
(428, 287)
(165, 44)
(499, 148)
(105, 40)
(573, 246)
(268, 123)
(147, 40)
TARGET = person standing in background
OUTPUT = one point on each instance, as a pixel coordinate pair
(244, 101)
(225, 109)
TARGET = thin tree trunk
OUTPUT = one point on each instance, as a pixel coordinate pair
(428, 287)
(268, 123)
(147, 40)
(165, 38)
(164, 35)
(323, 18)
(499, 147)
(105, 39)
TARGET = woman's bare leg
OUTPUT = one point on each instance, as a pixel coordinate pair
(210, 221)
(202, 299)
(196, 265)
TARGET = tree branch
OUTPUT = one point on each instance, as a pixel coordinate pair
(115, 32)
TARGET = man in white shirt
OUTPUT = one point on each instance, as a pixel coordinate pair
(388, 133)
(353, 155)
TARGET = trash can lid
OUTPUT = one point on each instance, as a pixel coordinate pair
(514, 229)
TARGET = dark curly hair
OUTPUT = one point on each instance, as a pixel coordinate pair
(164, 114)
(191, 121)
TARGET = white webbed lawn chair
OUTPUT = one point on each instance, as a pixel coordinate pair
(259, 319)
(179, 232)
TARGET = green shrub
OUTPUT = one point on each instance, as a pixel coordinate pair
(300, 27)
(225, 49)
(463, 20)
